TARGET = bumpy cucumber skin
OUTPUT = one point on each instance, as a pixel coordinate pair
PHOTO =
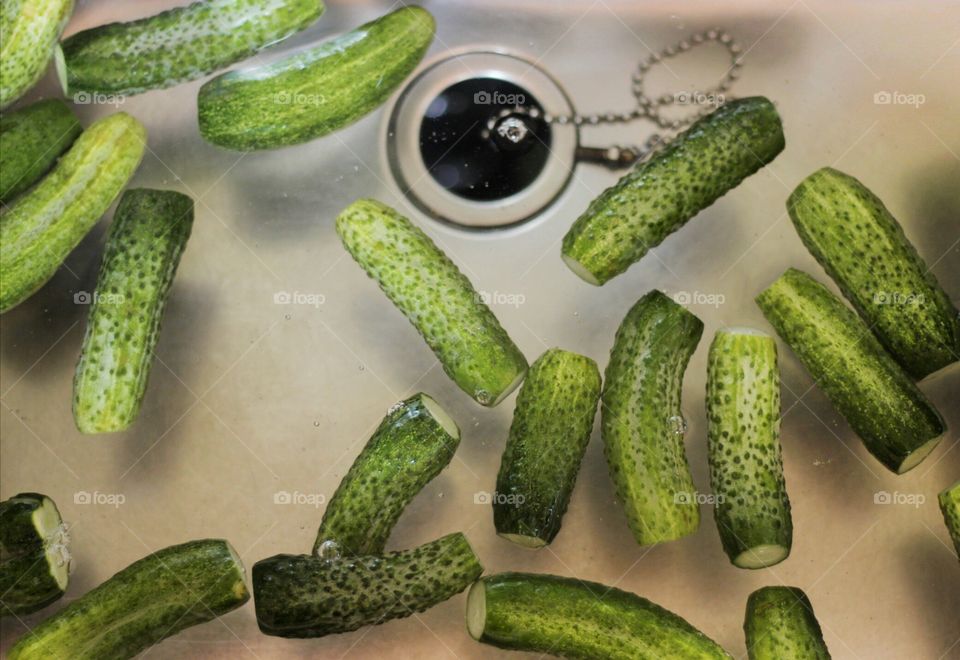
(661, 194)
(29, 30)
(743, 441)
(318, 91)
(407, 450)
(436, 297)
(306, 596)
(178, 45)
(31, 140)
(148, 234)
(863, 248)
(577, 619)
(44, 225)
(548, 437)
(26, 584)
(780, 624)
(148, 601)
(950, 507)
(641, 420)
(876, 397)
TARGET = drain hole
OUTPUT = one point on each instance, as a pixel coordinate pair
(458, 152)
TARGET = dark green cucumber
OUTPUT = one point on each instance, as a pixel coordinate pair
(577, 619)
(29, 30)
(310, 596)
(149, 232)
(743, 440)
(436, 297)
(31, 140)
(780, 624)
(896, 422)
(148, 601)
(318, 91)
(863, 248)
(44, 225)
(950, 506)
(413, 443)
(34, 558)
(642, 423)
(178, 45)
(548, 437)
(662, 193)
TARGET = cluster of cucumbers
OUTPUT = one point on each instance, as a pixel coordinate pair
(58, 179)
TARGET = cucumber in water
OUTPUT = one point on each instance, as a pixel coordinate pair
(31, 140)
(641, 421)
(743, 440)
(317, 91)
(863, 248)
(436, 297)
(413, 443)
(780, 624)
(662, 193)
(571, 618)
(29, 30)
(312, 596)
(148, 234)
(950, 507)
(177, 45)
(548, 437)
(148, 601)
(34, 558)
(44, 225)
(896, 422)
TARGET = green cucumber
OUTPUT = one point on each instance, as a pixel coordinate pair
(548, 437)
(149, 232)
(863, 248)
(743, 440)
(44, 225)
(576, 619)
(950, 506)
(641, 421)
(151, 599)
(310, 596)
(780, 624)
(896, 422)
(413, 443)
(317, 91)
(31, 140)
(177, 45)
(662, 193)
(29, 30)
(34, 559)
(436, 297)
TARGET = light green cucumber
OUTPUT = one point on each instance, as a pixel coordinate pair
(317, 91)
(34, 558)
(29, 30)
(571, 618)
(743, 441)
(436, 297)
(413, 443)
(863, 248)
(148, 601)
(148, 234)
(780, 625)
(44, 225)
(548, 437)
(950, 506)
(641, 420)
(662, 193)
(310, 596)
(896, 422)
(178, 45)
(31, 140)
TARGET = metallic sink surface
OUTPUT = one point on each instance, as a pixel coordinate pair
(251, 398)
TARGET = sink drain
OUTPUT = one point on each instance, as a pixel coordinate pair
(466, 144)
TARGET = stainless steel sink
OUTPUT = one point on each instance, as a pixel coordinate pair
(278, 355)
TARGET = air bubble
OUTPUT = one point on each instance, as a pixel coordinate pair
(329, 550)
(677, 425)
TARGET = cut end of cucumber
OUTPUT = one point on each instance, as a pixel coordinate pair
(240, 589)
(508, 389)
(524, 540)
(914, 459)
(580, 270)
(60, 63)
(761, 556)
(440, 416)
(50, 527)
(477, 609)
